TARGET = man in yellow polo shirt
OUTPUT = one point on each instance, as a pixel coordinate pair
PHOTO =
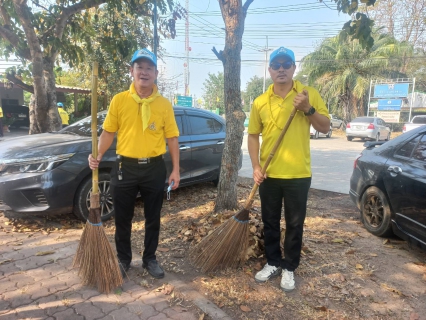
(63, 114)
(288, 175)
(143, 120)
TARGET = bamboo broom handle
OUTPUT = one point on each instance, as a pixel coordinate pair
(94, 125)
(250, 199)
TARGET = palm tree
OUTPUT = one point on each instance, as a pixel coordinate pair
(342, 70)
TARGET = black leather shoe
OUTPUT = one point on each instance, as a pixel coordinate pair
(154, 269)
(123, 268)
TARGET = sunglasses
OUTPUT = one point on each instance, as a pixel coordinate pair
(276, 65)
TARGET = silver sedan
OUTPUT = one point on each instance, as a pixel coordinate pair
(371, 128)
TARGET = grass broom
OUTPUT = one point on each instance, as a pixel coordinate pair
(226, 246)
(95, 258)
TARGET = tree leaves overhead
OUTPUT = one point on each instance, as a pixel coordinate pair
(360, 27)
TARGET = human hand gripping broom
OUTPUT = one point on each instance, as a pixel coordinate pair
(227, 245)
(97, 261)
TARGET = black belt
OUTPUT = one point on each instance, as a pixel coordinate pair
(140, 160)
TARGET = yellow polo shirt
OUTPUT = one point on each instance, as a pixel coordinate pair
(1, 112)
(64, 116)
(124, 118)
(269, 115)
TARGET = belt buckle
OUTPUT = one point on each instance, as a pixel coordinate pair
(143, 160)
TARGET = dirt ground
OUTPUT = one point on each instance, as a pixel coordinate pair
(345, 272)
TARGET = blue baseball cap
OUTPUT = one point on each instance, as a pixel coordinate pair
(60, 104)
(145, 54)
(282, 52)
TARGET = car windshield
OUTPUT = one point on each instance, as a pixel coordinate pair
(419, 120)
(363, 119)
(83, 127)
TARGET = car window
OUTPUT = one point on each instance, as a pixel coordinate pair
(179, 122)
(420, 152)
(83, 127)
(363, 119)
(419, 120)
(203, 125)
(407, 149)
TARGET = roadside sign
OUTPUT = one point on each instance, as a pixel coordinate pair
(391, 90)
(389, 116)
(184, 101)
(392, 105)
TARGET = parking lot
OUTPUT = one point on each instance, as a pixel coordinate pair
(332, 162)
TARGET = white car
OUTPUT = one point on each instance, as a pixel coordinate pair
(335, 122)
(316, 134)
(368, 128)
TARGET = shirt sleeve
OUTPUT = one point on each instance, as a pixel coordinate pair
(317, 102)
(255, 122)
(171, 128)
(111, 120)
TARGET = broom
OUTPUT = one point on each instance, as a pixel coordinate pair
(226, 246)
(95, 257)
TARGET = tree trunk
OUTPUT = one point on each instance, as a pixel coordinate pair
(234, 14)
(49, 76)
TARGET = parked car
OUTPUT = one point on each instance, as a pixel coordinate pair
(49, 171)
(388, 185)
(416, 122)
(20, 114)
(335, 122)
(371, 128)
(316, 134)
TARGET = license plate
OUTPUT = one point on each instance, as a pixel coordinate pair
(22, 115)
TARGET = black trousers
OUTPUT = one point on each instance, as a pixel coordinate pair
(149, 180)
(1, 127)
(295, 194)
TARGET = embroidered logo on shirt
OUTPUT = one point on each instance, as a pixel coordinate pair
(152, 126)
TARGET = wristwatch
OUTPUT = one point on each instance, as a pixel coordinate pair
(310, 112)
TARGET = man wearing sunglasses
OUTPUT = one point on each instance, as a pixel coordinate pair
(288, 175)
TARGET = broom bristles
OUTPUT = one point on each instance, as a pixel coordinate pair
(95, 258)
(225, 247)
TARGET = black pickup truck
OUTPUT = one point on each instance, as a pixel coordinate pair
(19, 113)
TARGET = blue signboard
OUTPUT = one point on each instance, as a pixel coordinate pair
(184, 101)
(392, 90)
(394, 105)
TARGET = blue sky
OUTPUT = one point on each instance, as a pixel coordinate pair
(298, 25)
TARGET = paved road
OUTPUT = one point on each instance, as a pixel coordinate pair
(332, 162)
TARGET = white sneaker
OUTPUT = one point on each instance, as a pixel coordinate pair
(287, 280)
(267, 273)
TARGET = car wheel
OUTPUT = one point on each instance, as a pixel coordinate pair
(329, 133)
(349, 138)
(82, 198)
(316, 135)
(378, 137)
(375, 212)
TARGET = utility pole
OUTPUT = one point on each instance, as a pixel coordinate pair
(187, 49)
(266, 63)
(155, 45)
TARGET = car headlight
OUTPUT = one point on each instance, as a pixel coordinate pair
(33, 165)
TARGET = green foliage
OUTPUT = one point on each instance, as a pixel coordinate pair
(214, 92)
(254, 88)
(360, 27)
(342, 70)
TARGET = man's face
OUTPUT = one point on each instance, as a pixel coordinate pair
(281, 75)
(144, 73)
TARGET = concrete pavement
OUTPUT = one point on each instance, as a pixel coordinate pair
(37, 281)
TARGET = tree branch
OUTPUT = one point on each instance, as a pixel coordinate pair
(5, 15)
(219, 54)
(8, 35)
(19, 83)
(246, 6)
(69, 11)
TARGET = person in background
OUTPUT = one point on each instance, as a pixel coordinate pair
(143, 120)
(63, 114)
(288, 175)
